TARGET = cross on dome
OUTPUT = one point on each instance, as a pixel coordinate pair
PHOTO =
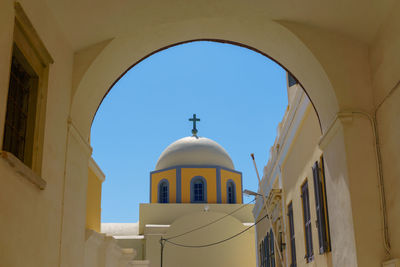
(194, 120)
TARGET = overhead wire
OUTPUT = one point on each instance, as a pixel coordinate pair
(218, 242)
(210, 223)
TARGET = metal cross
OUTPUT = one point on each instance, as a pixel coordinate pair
(194, 120)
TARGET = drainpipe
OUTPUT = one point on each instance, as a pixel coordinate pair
(378, 158)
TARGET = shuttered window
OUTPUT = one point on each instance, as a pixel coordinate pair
(321, 207)
(292, 239)
(266, 251)
(307, 222)
(271, 249)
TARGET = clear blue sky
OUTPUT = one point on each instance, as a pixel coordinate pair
(239, 95)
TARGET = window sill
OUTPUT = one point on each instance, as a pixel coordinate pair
(22, 169)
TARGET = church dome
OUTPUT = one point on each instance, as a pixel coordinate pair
(193, 150)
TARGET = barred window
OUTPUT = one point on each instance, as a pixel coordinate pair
(198, 190)
(21, 108)
(25, 111)
(163, 192)
(230, 192)
(321, 207)
(307, 222)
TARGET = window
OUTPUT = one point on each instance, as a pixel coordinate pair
(230, 192)
(262, 255)
(267, 253)
(307, 222)
(198, 190)
(266, 250)
(21, 108)
(271, 249)
(26, 101)
(291, 233)
(163, 192)
(292, 80)
(321, 207)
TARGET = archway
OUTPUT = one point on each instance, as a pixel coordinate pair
(115, 57)
(303, 51)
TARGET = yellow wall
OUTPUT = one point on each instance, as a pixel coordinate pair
(93, 202)
(237, 178)
(170, 176)
(296, 169)
(210, 174)
(238, 252)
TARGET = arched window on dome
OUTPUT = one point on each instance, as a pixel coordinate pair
(198, 190)
(163, 191)
(230, 192)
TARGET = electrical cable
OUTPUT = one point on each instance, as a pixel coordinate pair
(218, 242)
(212, 222)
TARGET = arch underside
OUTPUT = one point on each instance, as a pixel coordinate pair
(269, 38)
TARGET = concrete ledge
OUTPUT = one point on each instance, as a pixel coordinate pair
(144, 263)
(391, 263)
(23, 170)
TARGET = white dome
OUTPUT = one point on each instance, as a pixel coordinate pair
(193, 150)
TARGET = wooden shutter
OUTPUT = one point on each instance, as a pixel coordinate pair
(262, 253)
(271, 249)
(292, 237)
(307, 222)
(266, 251)
(319, 207)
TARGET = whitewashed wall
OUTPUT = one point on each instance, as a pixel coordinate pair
(103, 251)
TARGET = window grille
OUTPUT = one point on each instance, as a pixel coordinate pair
(198, 191)
(231, 194)
(292, 239)
(21, 106)
(321, 207)
(307, 222)
(163, 192)
(198, 188)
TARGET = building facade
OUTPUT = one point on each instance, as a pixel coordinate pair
(195, 201)
(296, 195)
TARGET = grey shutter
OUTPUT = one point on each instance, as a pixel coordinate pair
(307, 222)
(319, 207)
(292, 237)
(271, 249)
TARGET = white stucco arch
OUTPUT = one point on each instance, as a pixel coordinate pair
(268, 37)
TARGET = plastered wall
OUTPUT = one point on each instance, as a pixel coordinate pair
(31, 218)
(296, 170)
(93, 201)
(385, 71)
